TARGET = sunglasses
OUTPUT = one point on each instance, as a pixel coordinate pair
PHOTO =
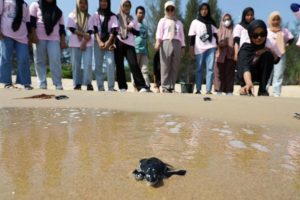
(257, 35)
(170, 9)
(126, 5)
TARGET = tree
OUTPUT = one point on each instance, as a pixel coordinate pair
(216, 13)
(292, 72)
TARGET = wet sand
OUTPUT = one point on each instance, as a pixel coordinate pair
(233, 147)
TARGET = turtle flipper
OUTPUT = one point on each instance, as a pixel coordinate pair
(171, 173)
(138, 175)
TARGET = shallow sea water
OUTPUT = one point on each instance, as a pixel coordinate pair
(89, 154)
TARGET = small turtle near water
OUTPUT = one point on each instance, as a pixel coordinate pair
(297, 115)
(154, 171)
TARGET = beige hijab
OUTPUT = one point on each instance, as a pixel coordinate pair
(279, 34)
(82, 17)
(124, 20)
(171, 21)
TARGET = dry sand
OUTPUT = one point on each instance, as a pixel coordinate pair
(277, 112)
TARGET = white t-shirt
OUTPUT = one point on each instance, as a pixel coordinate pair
(198, 29)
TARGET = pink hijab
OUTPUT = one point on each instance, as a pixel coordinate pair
(225, 33)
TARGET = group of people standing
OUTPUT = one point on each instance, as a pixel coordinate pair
(255, 49)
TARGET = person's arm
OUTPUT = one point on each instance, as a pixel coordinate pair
(192, 46)
(159, 35)
(248, 88)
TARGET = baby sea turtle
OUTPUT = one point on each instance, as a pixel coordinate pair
(153, 170)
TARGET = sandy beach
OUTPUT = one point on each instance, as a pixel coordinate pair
(85, 147)
(250, 110)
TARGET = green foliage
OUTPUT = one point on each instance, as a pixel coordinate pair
(292, 72)
(215, 11)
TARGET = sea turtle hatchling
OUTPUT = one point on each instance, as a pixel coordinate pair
(153, 170)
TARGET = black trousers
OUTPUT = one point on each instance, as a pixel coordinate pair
(261, 71)
(156, 68)
(125, 51)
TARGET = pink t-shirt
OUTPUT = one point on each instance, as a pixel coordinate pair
(273, 36)
(97, 21)
(7, 12)
(35, 11)
(198, 29)
(242, 33)
(73, 39)
(130, 40)
(162, 32)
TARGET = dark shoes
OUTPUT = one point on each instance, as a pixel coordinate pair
(77, 87)
(28, 87)
(89, 87)
(265, 93)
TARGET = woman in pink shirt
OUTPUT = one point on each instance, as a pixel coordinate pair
(204, 38)
(240, 33)
(170, 40)
(105, 27)
(14, 37)
(48, 32)
(125, 48)
(80, 43)
(280, 37)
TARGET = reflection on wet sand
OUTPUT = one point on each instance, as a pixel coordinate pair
(88, 154)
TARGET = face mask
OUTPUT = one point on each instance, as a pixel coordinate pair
(227, 23)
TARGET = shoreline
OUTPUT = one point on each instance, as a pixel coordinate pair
(276, 112)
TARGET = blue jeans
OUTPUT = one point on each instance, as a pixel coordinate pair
(109, 57)
(53, 51)
(277, 75)
(81, 76)
(8, 45)
(207, 58)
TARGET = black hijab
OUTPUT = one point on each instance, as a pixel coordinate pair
(248, 51)
(51, 14)
(19, 15)
(207, 20)
(243, 22)
(107, 14)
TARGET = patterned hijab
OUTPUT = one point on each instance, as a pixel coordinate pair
(124, 20)
(82, 17)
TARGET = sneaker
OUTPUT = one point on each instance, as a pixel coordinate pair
(123, 90)
(112, 90)
(229, 94)
(219, 93)
(143, 90)
(77, 87)
(165, 90)
(59, 87)
(209, 93)
(8, 86)
(43, 87)
(276, 95)
(90, 87)
(197, 92)
(28, 87)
